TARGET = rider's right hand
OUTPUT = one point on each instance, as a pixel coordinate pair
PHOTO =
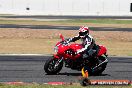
(65, 42)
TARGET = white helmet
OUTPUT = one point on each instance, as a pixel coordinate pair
(83, 31)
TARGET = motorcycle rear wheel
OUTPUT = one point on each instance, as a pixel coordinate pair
(49, 66)
(101, 68)
(98, 70)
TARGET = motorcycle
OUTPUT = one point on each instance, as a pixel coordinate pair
(65, 53)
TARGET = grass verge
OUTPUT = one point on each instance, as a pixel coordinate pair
(58, 86)
(101, 21)
(71, 22)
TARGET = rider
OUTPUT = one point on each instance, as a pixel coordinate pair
(89, 46)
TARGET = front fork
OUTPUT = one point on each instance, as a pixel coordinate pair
(59, 60)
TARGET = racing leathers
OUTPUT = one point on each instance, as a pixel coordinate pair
(88, 43)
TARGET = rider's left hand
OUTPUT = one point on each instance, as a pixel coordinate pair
(78, 51)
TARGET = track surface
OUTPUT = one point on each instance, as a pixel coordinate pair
(63, 27)
(67, 17)
(30, 69)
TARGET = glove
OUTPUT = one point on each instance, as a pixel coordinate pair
(69, 40)
(78, 51)
(65, 43)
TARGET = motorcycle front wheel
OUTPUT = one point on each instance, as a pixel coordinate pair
(51, 68)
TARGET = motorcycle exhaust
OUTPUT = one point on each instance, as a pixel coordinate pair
(106, 61)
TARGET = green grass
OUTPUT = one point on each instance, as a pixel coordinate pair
(59, 86)
(73, 21)
(100, 21)
(17, 21)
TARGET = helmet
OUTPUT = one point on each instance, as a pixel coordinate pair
(83, 31)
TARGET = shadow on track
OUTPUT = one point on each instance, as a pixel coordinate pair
(79, 74)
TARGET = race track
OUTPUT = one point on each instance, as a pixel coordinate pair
(30, 69)
(50, 27)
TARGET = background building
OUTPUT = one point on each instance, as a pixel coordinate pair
(67, 7)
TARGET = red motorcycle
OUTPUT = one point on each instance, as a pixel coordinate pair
(65, 53)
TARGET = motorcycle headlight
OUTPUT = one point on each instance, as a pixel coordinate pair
(56, 48)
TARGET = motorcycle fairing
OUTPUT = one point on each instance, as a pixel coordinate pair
(102, 50)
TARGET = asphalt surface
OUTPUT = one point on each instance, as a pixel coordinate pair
(30, 69)
(63, 27)
(66, 17)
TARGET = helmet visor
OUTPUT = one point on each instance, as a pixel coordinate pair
(82, 33)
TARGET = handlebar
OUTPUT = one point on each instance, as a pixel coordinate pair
(66, 41)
